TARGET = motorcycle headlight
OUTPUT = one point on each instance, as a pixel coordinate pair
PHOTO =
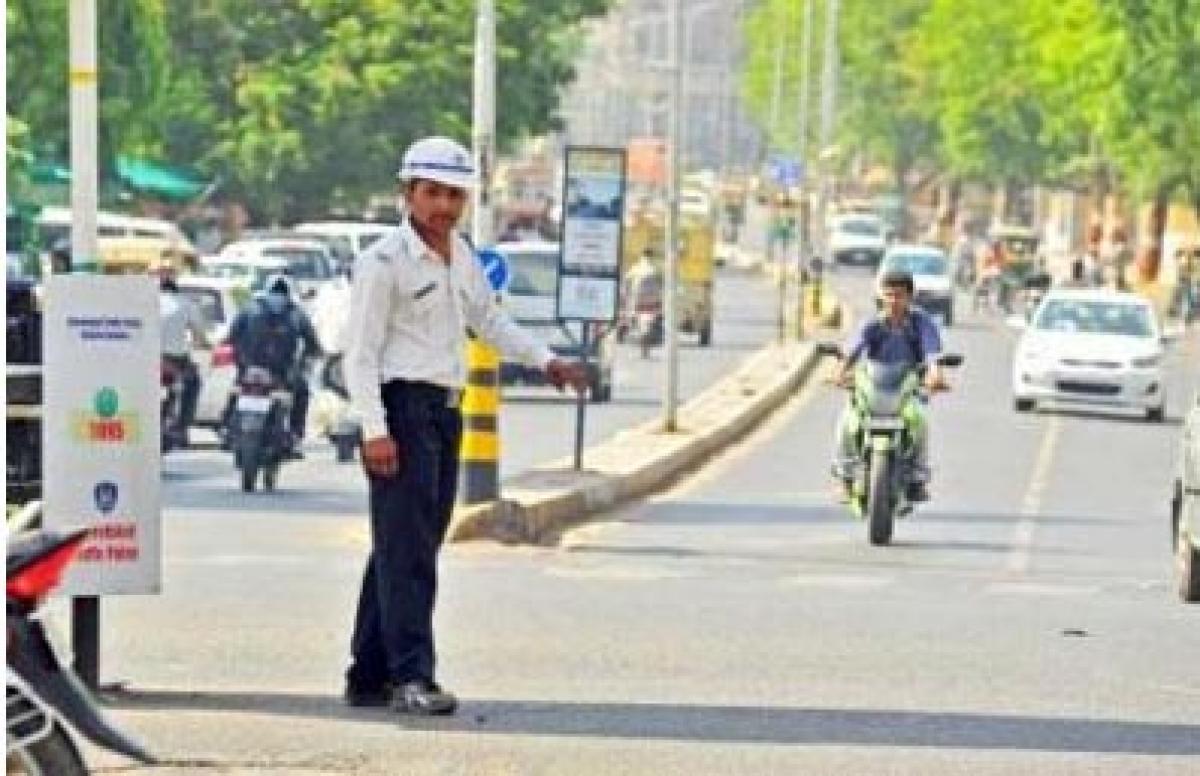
(1146, 362)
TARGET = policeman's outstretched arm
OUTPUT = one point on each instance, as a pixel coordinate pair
(494, 325)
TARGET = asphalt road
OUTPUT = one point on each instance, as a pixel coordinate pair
(1023, 621)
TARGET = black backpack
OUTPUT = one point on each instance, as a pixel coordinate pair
(273, 340)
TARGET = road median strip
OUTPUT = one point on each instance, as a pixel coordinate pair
(538, 505)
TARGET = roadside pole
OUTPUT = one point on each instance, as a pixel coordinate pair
(671, 252)
(804, 232)
(85, 610)
(829, 87)
(480, 455)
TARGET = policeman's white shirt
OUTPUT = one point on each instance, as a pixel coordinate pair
(179, 317)
(409, 311)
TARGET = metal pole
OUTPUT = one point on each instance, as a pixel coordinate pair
(580, 399)
(85, 611)
(671, 252)
(805, 78)
(480, 452)
(84, 189)
(828, 116)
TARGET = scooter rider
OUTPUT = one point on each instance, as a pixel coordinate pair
(180, 318)
(901, 334)
(269, 333)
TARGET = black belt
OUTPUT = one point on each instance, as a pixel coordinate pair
(440, 394)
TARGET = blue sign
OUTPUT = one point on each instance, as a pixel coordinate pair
(105, 494)
(785, 171)
(495, 267)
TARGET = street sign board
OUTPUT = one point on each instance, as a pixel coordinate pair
(785, 171)
(589, 274)
(101, 435)
(495, 267)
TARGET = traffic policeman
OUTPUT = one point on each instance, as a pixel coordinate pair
(415, 294)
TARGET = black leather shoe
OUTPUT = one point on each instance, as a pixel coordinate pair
(367, 698)
(917, 492)
(424, 699)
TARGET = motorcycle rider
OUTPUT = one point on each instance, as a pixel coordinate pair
(269, 333)
(180, 317)
(900, 334)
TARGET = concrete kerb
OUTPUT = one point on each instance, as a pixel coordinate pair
(540, 504)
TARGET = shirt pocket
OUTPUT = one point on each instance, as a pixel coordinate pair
(420, 300)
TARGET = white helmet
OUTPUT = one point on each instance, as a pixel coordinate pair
(438, 159)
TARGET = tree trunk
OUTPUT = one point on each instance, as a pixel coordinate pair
(1150, 256)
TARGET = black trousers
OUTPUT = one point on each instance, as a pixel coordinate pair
(393, 630)
(190, 390)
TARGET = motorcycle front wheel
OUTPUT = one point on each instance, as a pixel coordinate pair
(249, 458)
(54, 755)
(880, 498)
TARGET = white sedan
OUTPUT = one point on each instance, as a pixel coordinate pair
(1091, 348)
(930, 270)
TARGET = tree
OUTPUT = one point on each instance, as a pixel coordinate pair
(296, 105)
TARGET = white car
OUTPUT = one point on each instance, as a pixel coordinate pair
(857, 238)
(1091, 348)
(218, 300)
(349, 238)
(930, 270)
(531, 299)
(308, 261)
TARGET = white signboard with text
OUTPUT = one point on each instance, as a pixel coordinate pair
(593, 223)
(101, 435)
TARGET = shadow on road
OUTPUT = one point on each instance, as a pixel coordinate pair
(726, 724)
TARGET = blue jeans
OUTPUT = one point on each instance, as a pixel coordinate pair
(393, 631)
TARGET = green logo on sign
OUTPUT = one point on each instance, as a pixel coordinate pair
(106, 403)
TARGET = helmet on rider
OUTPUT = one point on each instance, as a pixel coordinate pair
(278, 296)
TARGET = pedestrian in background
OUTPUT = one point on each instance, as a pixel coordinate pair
(415, 294)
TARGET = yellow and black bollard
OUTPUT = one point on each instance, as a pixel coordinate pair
(480, 453)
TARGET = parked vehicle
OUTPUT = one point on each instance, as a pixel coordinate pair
(259, 433)
(23, 383)
(930, 270)
(857, 238)
(46, 706)
(882, 396)
(531, 299)
(1185, 509)
(1094, 348)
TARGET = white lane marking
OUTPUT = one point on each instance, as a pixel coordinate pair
(1040, 589)
(1026, 528)
(615, 573)
(839, 581)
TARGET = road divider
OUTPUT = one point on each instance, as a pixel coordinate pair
(539, 504)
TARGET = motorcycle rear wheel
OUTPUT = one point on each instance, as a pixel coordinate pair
(880, 499)
(54, 755)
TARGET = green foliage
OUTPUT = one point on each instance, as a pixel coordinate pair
(296, 105)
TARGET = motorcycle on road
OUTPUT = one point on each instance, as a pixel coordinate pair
(45, 703)
(258, 428)
(883, 400)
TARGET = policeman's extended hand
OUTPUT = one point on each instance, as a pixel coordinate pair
(381, 456)
(562, 373)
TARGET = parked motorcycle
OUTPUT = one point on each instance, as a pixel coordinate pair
(259, 433)
(45, 702)
(884, 399)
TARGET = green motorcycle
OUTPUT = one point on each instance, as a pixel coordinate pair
(884, 422)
